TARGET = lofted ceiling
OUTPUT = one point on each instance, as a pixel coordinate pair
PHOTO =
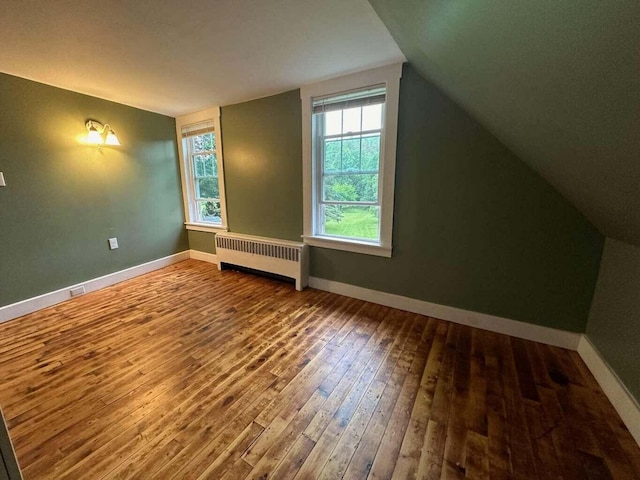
(177, 57)
(558, 82)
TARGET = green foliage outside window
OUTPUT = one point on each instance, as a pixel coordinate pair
(211, 209)
(204, 143)
(352, 164)
(208, 187)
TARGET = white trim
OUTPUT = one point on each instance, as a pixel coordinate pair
(203, 227)
(203, 256)
(515, 328)
(30, 305)
(390, 76)
(211, 114)
(348, 245)
(615, 390)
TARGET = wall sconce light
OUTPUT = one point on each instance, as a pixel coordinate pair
(97, 130)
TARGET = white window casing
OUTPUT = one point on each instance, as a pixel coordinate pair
(189, 124)
(389, 77)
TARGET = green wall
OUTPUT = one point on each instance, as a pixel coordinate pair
(614, 320)
(262, 150)
(474, 227)
(202, 241)
(262, 153)
(64, 199)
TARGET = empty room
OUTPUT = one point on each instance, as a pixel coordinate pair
(359, 239)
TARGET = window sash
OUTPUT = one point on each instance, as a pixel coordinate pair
(351, 172)
(204, 152)
(188, 134)
(318, 126)
(350, 203)
(356, 133)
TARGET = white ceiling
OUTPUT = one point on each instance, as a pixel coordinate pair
(177, 57)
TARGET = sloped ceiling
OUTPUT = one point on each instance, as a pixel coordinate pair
(557, 81)
(177, 57)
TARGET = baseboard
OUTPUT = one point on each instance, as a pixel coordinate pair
(203, 256)
(30, 305)
(515, 328)
(617, 393)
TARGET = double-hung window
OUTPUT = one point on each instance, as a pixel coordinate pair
(202, 170)
(349, 139)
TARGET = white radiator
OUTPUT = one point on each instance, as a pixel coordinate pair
(289, 259)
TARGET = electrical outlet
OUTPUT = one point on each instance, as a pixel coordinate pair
(2, 182)
(113, 243)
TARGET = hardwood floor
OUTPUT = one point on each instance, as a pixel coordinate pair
(191, 373)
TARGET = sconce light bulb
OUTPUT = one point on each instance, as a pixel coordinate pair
(112, 139)
(94, 136)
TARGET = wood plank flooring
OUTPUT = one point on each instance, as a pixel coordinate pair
(191, 373)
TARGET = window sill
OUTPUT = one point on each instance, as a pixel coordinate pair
(204, 227)
(354, 246)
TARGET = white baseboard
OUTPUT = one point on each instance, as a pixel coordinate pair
(203, 256)
(621, 399)
(528, 331)
(30, 305)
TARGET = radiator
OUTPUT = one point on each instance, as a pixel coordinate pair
(282, 257)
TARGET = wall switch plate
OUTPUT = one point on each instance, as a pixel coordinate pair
(2, 182)
(77, 291)
(113, 243)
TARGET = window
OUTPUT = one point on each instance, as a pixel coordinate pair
(202, 170)
(347, 130)
(349, 140)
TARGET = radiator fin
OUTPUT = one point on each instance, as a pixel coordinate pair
(259, 248)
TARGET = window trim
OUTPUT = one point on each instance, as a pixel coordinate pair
(390, 76)
(188, 195)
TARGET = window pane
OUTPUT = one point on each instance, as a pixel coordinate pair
(205, 165)
(332, 155)
(333, 122)
(372, 117)
(371, 152)
(350, 154)
(210, 165)
(203, 143)
(207, 187)
(198, 165)
(351, 118)
(351, 221)
(209, 211)
(351, 188)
